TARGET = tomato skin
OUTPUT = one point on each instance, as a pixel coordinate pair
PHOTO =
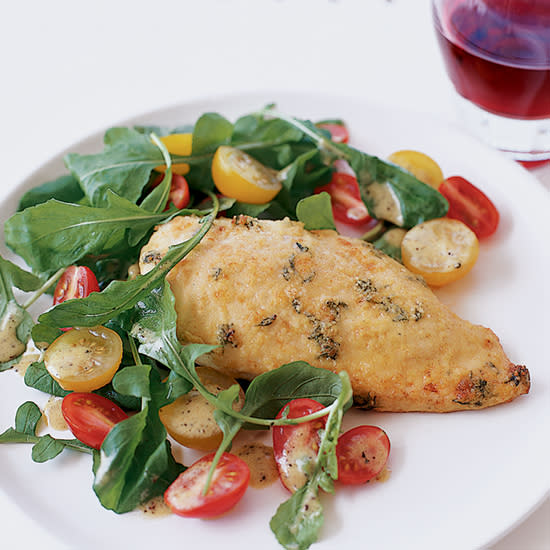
(470, 205)
(179, 191)
(362, 453)
(338, 132)
(229, 483)
(76, 282)
(347, 206)
(90, 416)
(294, 444)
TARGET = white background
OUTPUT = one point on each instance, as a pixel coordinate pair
(70, 68)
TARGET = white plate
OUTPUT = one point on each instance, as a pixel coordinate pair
(458, 480)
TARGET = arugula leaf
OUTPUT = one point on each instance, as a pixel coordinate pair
(124, 166)
(418, 201)
(211, 130)
(37, 377)
(27, 417)
(273, 142)
(299, 178)
(120, 296)
(56, 234)
(315, 212)
(45, 447)
(44, 334)
(156, 200)
(155, 328)
(65, 188)
(15, 322)
(269, 392)
(297, 522)
(164, 130)
(135, 462)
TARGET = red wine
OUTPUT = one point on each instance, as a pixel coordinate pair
(497, 54)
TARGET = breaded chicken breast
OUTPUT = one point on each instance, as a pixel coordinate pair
(270, 292)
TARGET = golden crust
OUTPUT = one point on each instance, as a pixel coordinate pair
(270, 292)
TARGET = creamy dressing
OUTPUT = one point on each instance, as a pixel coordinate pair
(53, 414)
(31, 355)
(156, 507)
(383, 476)
(261, 462)
(10, 346)
(384, 202)
(395, 236)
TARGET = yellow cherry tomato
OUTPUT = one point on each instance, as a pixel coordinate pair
(419, 165)
(177, 144)
(84, 359)
(190, 418)
(239, 176)
(441, 250)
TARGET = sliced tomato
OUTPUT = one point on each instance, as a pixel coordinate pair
(76, 282)
(362, 453)
(84, 359)
(294, 446)
(347, 206)
(229, 482)
(338, 131)
(90, 416)
(441, 250)
(238, 175)
(470, 205)
(179, 191)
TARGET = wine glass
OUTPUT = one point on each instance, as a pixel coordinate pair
(497, 55)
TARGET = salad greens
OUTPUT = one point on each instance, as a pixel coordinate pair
(45, 446)
(100, 214)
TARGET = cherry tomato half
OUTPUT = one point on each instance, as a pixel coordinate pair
(229, 482)
(90, 416)
(470, 205)
(76, 282)
(441, 250)
(84, 359)
(296, 445)
(362, 453)
(238, 175)
(179, 191)
(338, 132)
(347, 206)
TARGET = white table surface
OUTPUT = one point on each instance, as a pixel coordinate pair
(70, 68)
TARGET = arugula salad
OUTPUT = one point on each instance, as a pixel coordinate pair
(108, 344)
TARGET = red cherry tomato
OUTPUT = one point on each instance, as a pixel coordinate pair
(338, 132)
(90, 416)
(347, 206)
(179, 191)
(362, 453)
(229, 482)
(470, 205)
(295, 445)
(76, 282)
